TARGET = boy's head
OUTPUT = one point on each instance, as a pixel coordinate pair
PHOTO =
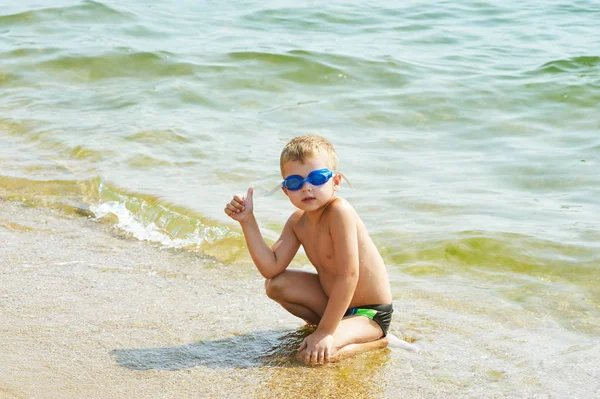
(303, 148)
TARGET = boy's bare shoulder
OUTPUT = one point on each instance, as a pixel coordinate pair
(340, 207)
(296, 216)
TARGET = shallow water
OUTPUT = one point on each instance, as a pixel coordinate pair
(470, 133)
(88, 312)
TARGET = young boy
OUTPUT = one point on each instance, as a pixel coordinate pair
(349, 297)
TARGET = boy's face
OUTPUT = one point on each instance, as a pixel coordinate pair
(309, 197)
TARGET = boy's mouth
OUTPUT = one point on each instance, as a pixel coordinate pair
(308, 199)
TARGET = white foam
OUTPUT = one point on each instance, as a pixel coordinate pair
(128, 222)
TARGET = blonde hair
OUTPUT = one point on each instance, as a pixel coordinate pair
(303, 148)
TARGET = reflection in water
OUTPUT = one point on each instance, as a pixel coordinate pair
(274, 351)
(356, 377)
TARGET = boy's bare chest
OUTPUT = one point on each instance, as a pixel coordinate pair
(317, 244)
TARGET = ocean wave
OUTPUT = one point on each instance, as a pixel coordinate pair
(140, 216)
(158, 136)
(155, 231)
(298, 59)
(48, 139)
(328, 68)
(509, 254)
(580, 64)
(148, 218)
(117, 64)
(143, 161)
(293, 19)
(87, 11)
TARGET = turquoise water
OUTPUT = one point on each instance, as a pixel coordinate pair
(470, 131)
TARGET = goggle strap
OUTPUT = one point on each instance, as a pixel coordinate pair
(345, 178)
(273, 191)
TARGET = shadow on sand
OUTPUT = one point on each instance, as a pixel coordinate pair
(357, 377)
(260, 348)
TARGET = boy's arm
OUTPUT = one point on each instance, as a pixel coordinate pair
(271, 261)
(345, 245)
(318, 347)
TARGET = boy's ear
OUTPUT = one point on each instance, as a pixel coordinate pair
(337, 180)
(284, 190)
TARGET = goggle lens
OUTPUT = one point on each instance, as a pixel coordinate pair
(293, 183)
(316, 178)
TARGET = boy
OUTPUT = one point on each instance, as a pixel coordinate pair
(349, 298)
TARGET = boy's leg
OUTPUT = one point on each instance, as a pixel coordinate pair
(300, 293)
(356, 334)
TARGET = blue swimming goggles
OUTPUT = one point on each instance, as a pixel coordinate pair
(316, 178)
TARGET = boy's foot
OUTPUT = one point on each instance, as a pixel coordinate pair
(352, 350)
(355, 349)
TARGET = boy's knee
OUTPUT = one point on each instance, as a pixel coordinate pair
(274, 287)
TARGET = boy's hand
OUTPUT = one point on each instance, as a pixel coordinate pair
(240, 207)
(317, 348)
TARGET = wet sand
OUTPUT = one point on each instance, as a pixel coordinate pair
(86, 312)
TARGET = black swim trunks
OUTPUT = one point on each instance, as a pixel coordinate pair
(381, 314)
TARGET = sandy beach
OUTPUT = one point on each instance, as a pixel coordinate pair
(87, 312)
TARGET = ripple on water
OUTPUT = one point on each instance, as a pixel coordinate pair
(576, 64)
(86, 12)
(300, 19)
(117, 64)
(159, 136)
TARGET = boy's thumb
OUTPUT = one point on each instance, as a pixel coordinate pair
(249, 194)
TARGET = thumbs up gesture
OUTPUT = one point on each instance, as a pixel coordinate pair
(240, 207)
